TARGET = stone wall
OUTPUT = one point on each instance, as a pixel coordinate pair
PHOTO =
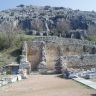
(59, 47)
(80, 62)
(65, 41)
(52, 53)
(34, 54)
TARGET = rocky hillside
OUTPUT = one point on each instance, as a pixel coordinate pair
(47, 20)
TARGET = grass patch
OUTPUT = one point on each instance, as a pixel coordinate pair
(91, 38)
(2, 63)
(24, 37)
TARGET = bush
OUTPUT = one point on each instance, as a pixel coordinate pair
(3, 42)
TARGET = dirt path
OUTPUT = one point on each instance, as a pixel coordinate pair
(46, 85)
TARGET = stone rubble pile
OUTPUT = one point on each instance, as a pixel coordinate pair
(5, 80)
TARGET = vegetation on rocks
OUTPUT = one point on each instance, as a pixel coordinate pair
(26, 22)
(32, 20)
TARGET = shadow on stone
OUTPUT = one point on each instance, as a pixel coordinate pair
(60, 76)
(93, 95)
(16, 53)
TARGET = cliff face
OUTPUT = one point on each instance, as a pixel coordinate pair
(49, 20)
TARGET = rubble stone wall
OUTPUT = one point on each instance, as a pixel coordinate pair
(34, 54)
(80, 62)
(52, 53)
(56, 47)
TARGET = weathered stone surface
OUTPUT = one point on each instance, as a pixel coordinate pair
(24, 64)
(83, 61)
(60, 54)
(23, 73)
(42, 67)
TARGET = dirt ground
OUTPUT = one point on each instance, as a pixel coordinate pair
(46, 85)
(94, 80)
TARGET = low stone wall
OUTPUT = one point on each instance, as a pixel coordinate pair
(65, 41)
(80, 62)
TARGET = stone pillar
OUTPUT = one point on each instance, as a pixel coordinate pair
(82, 37)
(59, 62)
(24, 66)
(58, 65)
(42, 67)
(65, 71)
(23, 73)
(72, 36)
(24, 51)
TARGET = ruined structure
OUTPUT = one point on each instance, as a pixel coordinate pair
(24, 66)
(54, 53)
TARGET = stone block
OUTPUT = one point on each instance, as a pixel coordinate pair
(19, 77)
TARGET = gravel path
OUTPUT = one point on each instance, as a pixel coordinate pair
(46, 85)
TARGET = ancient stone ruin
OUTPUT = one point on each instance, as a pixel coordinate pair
(58, 55)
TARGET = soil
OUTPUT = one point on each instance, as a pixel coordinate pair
(46, 85)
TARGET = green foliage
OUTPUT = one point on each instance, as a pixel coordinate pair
(18, 41)
(8, 41)
(3, 42)
(8, 72)
(91, 38)
(12, 53)
(2, 63)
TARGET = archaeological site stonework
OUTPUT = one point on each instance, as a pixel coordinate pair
(54, 53)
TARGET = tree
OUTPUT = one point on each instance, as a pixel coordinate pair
(38, 25)
(91, 30)
(62, 26)
(8, 34)
(79, 22)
